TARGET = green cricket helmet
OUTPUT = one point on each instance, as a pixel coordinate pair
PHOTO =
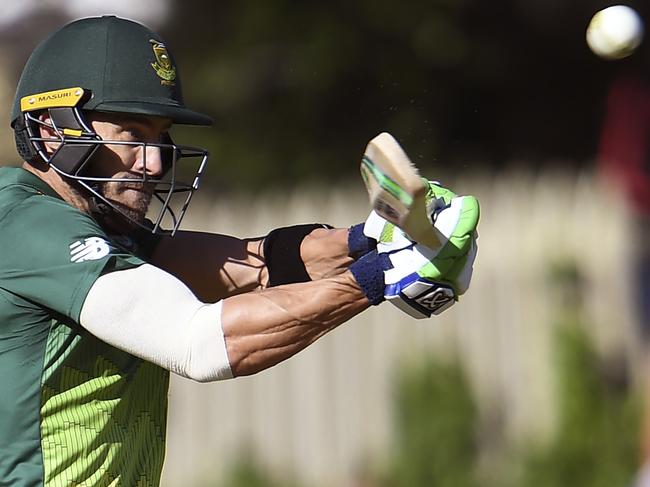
(104, 64)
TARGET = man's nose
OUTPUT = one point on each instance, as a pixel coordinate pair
(150, 161)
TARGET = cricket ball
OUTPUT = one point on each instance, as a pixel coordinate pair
(615, 32)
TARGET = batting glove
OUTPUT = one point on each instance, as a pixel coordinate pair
(419, 280)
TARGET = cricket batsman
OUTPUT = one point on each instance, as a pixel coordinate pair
(99, 303)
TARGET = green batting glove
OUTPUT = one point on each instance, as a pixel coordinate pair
(376, 227)
(419, 280)
(452, 262)
(435, 193)
(456, 224)
(455, 218)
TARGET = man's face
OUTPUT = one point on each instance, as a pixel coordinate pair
(117, 161)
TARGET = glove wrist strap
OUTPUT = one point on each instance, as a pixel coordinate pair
(369, 274)
(359, 244)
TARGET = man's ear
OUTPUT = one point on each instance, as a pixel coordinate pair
(47, 131)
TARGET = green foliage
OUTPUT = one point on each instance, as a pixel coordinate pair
(596, 444)
(597, 429)
(436, 426)
(298, 88)
(436, 423)
(247, 472)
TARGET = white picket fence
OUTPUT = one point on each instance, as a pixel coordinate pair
(322, 414)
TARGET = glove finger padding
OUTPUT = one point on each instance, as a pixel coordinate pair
(437, 192)
(377, 228)
(453, 217)
(463, 268)
(458, 224)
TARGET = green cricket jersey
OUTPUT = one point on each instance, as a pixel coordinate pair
(73, 409)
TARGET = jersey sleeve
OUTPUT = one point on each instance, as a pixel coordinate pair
(51, 254)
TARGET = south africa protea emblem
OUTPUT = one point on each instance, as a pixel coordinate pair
(163, 65)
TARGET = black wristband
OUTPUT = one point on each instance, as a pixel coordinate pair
(282, 253)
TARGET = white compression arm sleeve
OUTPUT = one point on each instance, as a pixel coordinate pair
(151, 314)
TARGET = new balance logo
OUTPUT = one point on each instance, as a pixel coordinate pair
(92, 248)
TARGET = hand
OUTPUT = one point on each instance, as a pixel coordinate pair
(364, 237)
(455, 218)
(423, 281)
(415, 284)
(394, 276)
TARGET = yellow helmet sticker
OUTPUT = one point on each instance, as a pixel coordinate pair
(163, 66)
(67, 97)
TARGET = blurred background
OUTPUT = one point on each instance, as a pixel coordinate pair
(537, 377)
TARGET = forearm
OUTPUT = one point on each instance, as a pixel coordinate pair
(213, 266)
(325, 252)
(265, 328)
(217, 266)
